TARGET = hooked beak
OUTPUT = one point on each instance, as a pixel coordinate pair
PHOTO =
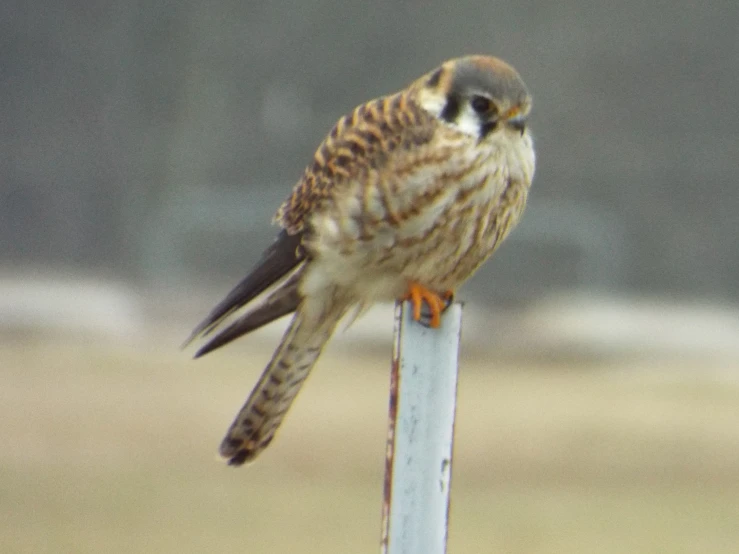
(515, 119)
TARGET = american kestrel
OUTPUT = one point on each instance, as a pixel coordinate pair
(404, 199)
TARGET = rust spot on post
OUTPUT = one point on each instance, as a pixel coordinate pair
(392, 422)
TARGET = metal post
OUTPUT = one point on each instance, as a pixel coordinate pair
(423, 394)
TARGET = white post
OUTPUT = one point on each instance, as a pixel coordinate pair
(423, 394)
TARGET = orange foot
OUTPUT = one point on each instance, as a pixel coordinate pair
(418, 294)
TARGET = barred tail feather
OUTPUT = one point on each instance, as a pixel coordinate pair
(257, 421)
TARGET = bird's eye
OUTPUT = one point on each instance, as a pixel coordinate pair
(482, 105)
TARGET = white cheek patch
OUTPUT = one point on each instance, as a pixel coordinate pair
(432, 102)
(468, 121)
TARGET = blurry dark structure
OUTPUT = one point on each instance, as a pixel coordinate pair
(154, 139)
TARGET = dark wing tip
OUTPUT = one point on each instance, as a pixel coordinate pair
(188, 341)
(283, 301)
(202, 351)
(281, 257)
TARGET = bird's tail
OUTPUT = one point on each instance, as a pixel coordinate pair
(258, 420)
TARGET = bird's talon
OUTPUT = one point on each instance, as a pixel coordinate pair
(434, 304)
(448, 298)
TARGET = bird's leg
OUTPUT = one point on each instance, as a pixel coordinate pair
(447, 298)
(437, 304)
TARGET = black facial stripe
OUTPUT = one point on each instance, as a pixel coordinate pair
(451, 109)
(486, 127)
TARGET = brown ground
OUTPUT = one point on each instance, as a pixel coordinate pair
(111, 448)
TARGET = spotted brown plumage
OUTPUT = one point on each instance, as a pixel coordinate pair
(405, 198)
(359, 143)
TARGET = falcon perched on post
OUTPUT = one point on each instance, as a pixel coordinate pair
(405, 198)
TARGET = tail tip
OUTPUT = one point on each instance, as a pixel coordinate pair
(238, 459)
(239, 452)
(236, 451)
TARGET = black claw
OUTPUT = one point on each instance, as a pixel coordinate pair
(426, 312)
(425, 320)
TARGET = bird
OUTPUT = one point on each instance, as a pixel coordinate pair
(404, 200)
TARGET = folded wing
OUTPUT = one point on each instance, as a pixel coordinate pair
(277, 274)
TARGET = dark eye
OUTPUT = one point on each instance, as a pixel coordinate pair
(482, 105)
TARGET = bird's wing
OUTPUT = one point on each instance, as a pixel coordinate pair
(376, 134)
(283, 300)
(278, 270)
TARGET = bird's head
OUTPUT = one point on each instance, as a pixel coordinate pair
(480, 96)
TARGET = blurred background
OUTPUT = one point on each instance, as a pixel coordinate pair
(145, 147)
